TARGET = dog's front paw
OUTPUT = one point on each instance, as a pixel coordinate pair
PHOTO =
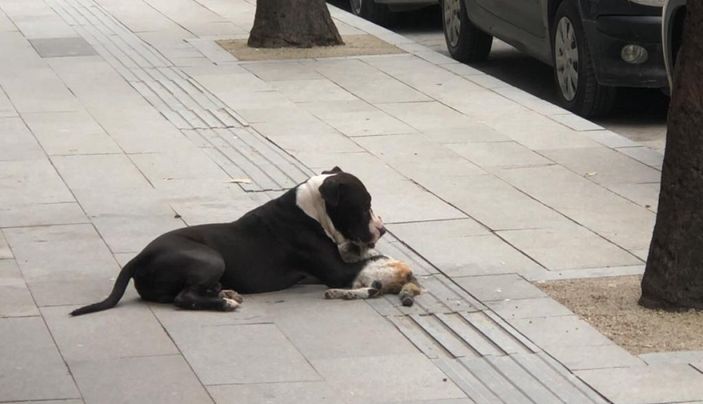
(229, 304)
(230, 294)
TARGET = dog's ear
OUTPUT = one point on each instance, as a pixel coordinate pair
(331, 191)
(334, 170)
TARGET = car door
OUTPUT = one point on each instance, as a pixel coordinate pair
(523, 14)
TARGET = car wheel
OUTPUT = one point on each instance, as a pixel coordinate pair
(577, 87)
(466, 43)
(370, 10)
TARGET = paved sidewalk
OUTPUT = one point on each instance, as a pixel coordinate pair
(122, 119)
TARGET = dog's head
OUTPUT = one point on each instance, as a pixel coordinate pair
(343, 208)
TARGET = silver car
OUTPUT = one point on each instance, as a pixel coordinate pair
(594, 46)
(380, 11)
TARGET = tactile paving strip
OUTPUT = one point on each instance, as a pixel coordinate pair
(253, 162)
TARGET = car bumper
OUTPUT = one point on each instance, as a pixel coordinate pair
(606, 37)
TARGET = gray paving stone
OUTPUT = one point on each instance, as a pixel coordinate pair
(528, 308)
(15, 299)
(47, 402)
(610, 139)
(69, 133)
(162, 167)
(575, 122)
(644, 155)
(589, 272)
(366, 123)
(425, 116)
(538, 132)
(563, 331)
(594, 357)
(62, 47)
(656, 358)
(387, 378)
(152, 379)
(58, 252)
(499, 154)
(130, 233)
(275, 393)
(646, 384)
(31, 182)
(594, 207)
(470, 253)
(568, 247)
(499, 287)
(32, 368)
(17, 142)
(5, 252)
(42, 214)
(282, 70)
(249, 353)
(128, 330)
(322, 329)
(495, 203)
(603, 165)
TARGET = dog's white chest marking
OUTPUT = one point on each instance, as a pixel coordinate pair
(308, 198)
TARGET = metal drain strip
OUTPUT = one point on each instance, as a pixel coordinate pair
(256, 164)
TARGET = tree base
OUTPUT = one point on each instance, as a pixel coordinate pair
(293, 23)
(658, 304)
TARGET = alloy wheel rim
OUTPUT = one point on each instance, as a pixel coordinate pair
(566, 58)
(452, 21)
(355, 6)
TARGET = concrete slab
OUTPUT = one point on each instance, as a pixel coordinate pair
(495, 203)
(322, 329)
(603, 165)
(17, 142)
(275, 393)
(511, 309)
(594, 357)
(467, 254)
(386, 378)
(153, 379)
(563, 331)
(15, 299)
(62, 47)
(568, 247)
(70, 133)
(499, 154)
(128, 330)
(246, 353)
(32, 368)
(499, 287)
(646, 384)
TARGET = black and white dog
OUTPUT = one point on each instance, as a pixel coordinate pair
(270, 248)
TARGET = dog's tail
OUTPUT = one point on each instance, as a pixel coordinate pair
(117, 292)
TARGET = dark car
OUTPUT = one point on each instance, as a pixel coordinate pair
(594, 46)
(672, 30)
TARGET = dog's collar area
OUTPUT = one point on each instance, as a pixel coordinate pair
(309, 200)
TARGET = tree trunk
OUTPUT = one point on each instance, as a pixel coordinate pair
(673, 277)
(293, 23)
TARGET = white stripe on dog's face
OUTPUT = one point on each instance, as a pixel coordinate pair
(308, 198)
(376, 227)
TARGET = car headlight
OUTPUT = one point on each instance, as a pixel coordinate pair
(652, 3)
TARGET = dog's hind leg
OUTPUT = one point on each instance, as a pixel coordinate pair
(203, 290)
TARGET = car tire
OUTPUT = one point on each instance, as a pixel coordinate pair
(465, 42)
(577, 87)
(370, 10)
